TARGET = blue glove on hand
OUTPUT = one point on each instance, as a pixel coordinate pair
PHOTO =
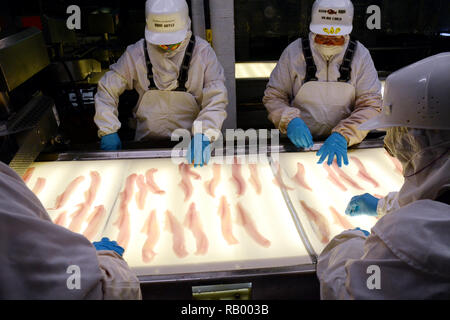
(111, 142)
(298, 132)
(106, 244)
(334, 145)
(366, 233)
(199, 150)
(363, 204)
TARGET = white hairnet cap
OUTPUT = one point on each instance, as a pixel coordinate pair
(417, 96)
(332, 17)
(167, 21)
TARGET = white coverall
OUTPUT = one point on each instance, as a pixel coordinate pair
(410, 244)
(339, 110)
(206, 98)
(38, 256)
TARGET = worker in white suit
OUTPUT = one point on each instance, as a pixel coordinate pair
(177, 76)
(325, 85)
(41, 260)
(407, 253)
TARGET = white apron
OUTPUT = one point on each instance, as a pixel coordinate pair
(324, 104)
(161, 112)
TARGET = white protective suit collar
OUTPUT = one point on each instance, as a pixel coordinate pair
(166, 65)
(424, 155)
(418, 235)
(329, 54)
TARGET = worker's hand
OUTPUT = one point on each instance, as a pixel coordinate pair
(111, 142)
(106, 244)
(366, 233)
(199, 151)
(335, 145)
(299, 134)
(363, 204)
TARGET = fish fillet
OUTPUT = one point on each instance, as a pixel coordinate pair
(334, 178)
(151, 229)
(319, 222)
(150, 179)
(244, 219)
(278, 179)
(212, 184)
(38, 186)
(345, 177)
(237, 178)
(254, 178)
(186, 184)
(91, 193)
(78, 217)
(62, 199)
(61, 219)
(124, 230)
(27, 175)
(340, 219)
(94, 222)
(226, 223)
(363, 174)
(299, 177)
(174, 226)
(193, 223)
(141, 195)
(123, 222)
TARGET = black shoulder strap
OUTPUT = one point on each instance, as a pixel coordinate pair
(152, 85)
(345, 69)
(311, 68)
(183, 76)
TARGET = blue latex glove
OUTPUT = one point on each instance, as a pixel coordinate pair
(334, 145)
(363, 204)
(366, 233)
(111, 142)
(298, 132)
(199, 150)
(106, 244)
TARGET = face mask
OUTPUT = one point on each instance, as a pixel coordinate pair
(329, 51)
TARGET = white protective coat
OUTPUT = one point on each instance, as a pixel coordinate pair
(410, 245)
(284, 99)
(160, 112)
(39, 257)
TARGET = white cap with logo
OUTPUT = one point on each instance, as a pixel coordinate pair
(332, 17)
(167, 21)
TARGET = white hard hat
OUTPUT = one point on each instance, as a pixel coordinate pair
(332, 17)
(417, 96)
(167, 21)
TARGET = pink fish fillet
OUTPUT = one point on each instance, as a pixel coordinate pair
(61, 219)
(244, 219)
(193, 223)
(299, 177)
(62, 199)
(124, 230)
(150, 179)
(212, 184)
(141, 195)
(123, 222)
(226, 223)
(95, 220)
(345, 177)
(379, 196)
(151, 229)
(334, 178)
(363, 174)
(175, 227)
(91, 193)
(279, 180)
(319, 221)
(78, 217)
(38, 186)
(254, 178)
(397, 164)
(186, 184)
(27, 175)
(340, 219)
(237, 178)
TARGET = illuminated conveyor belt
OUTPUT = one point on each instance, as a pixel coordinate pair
(294, 240)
